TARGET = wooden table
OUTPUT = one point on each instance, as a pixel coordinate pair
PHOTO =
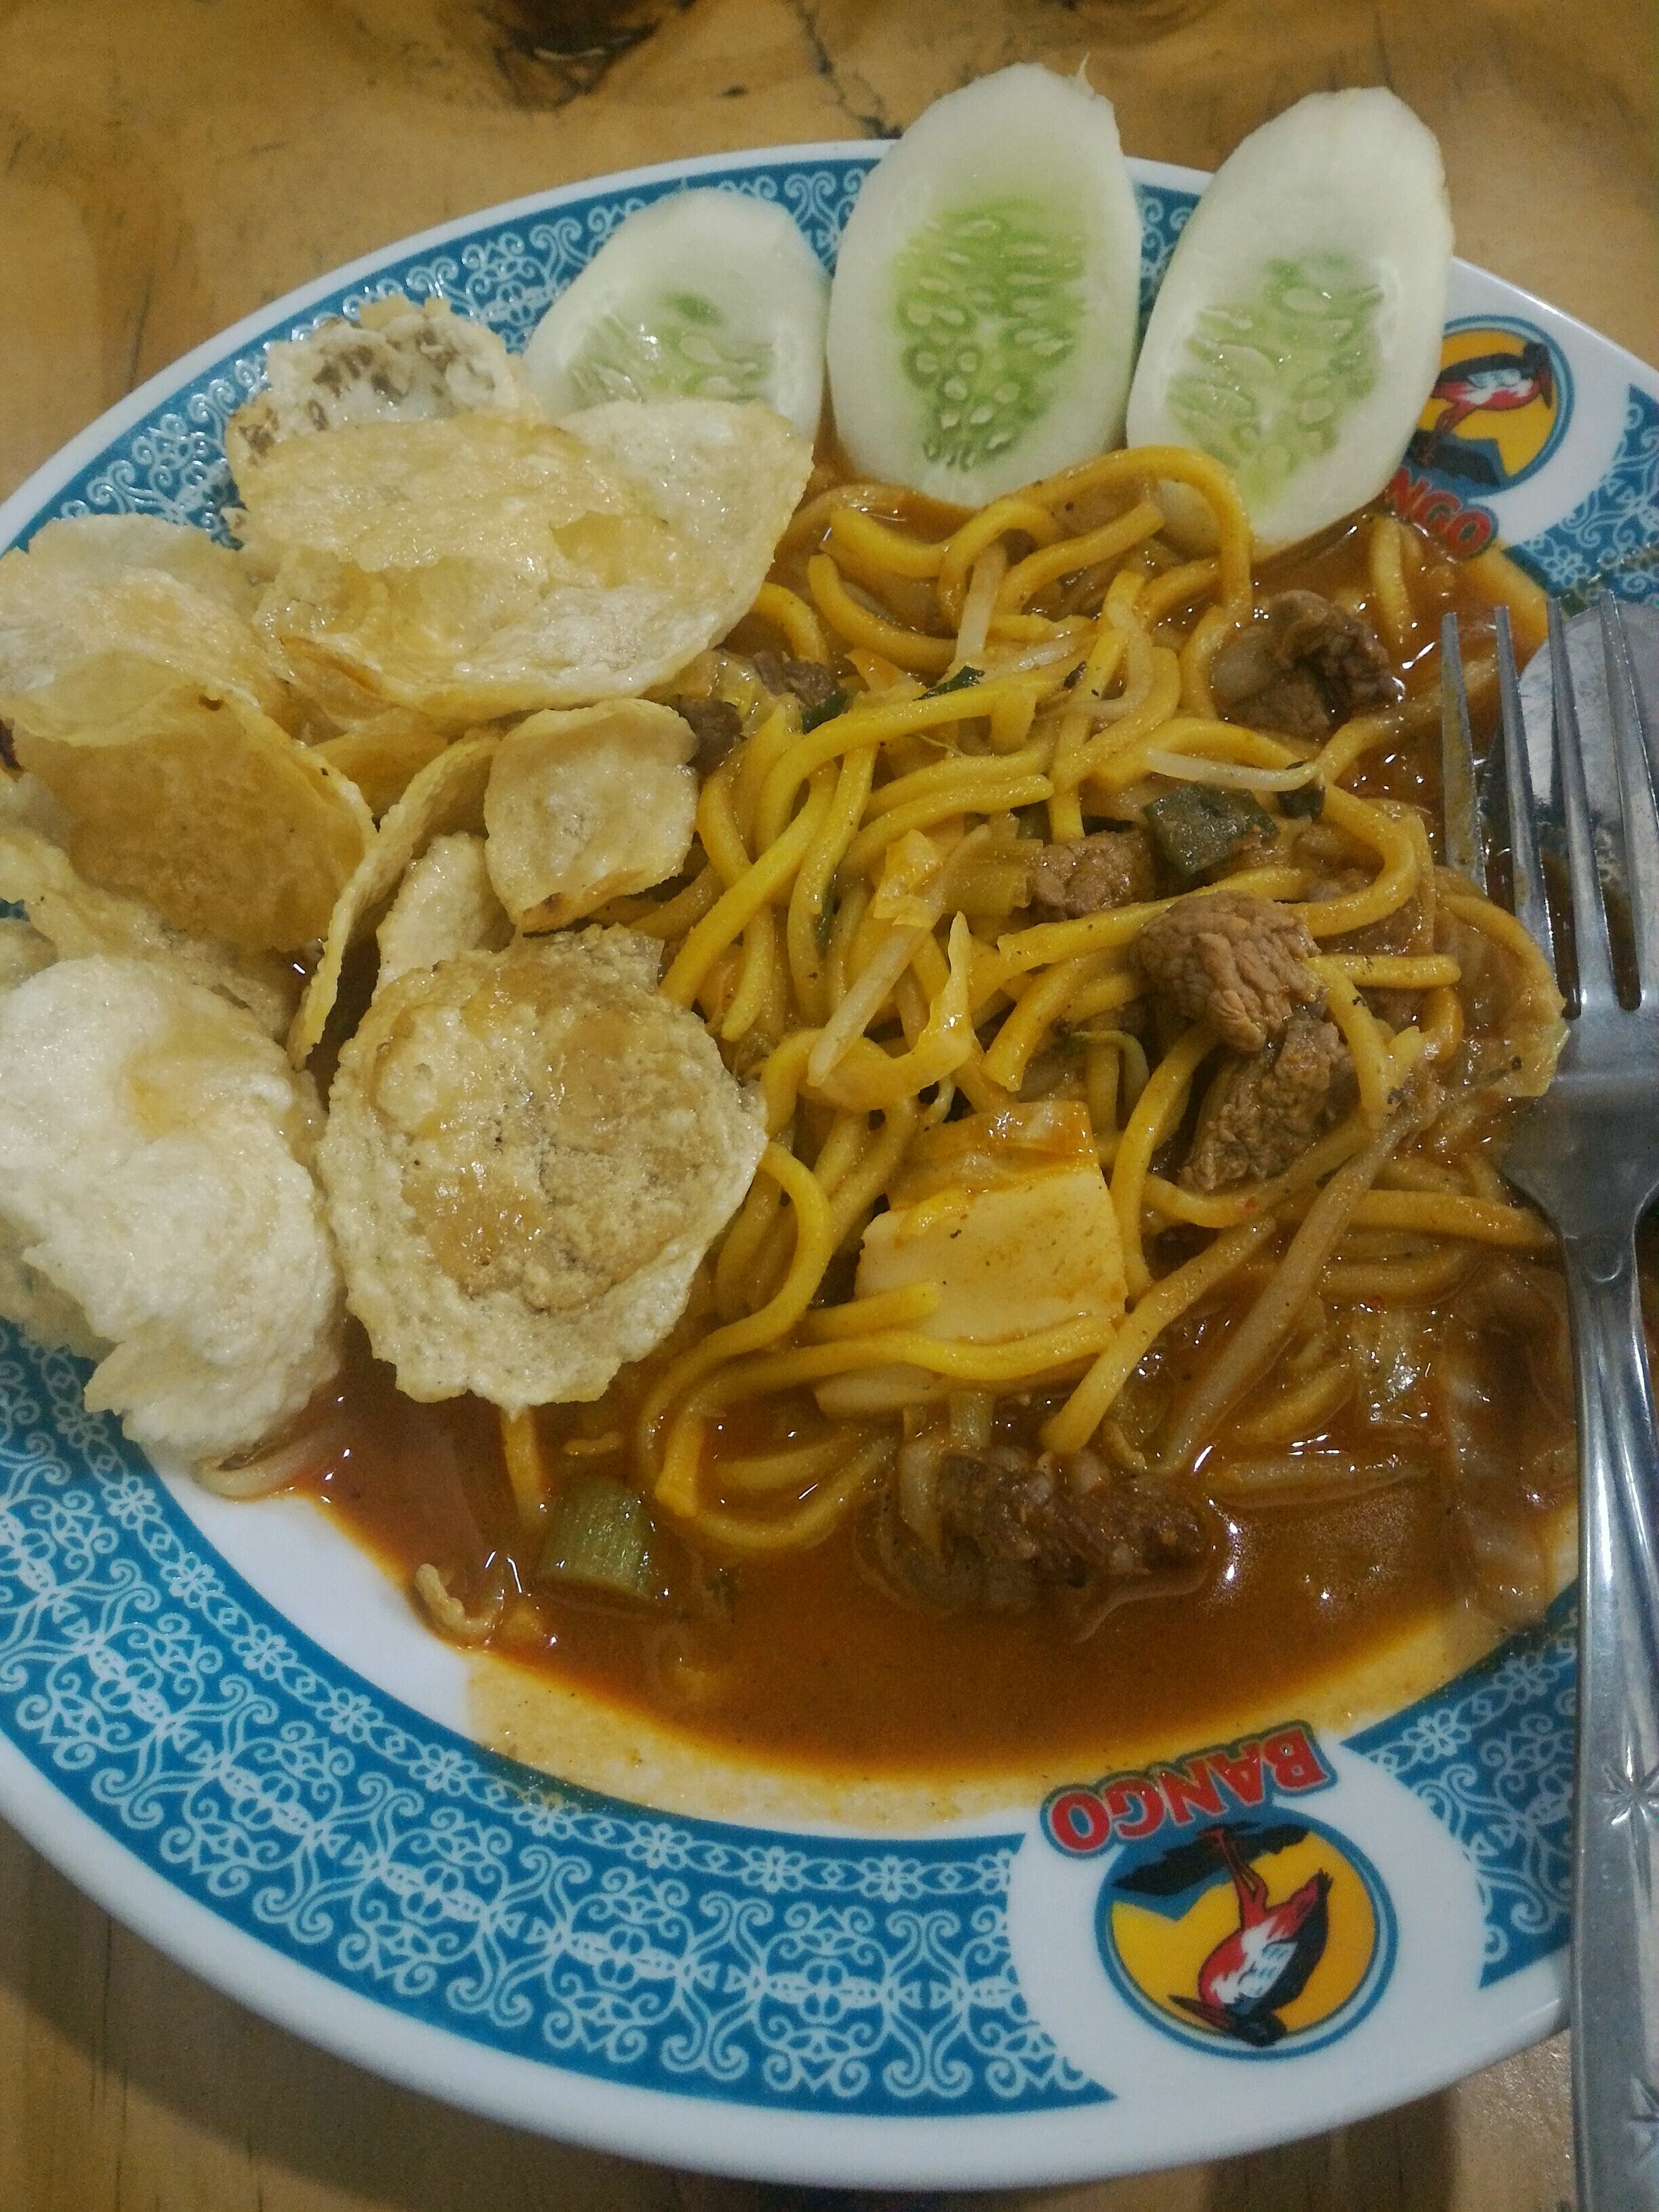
(168, 165)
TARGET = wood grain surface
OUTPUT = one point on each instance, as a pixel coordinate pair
(165, 166)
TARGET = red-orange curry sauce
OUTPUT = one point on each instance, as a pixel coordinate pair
(808, 1657)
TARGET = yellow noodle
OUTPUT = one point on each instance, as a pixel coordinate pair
(1395, 1282)
(756, 759)
(1014, 1359)
(685, 910)
(1018, 512)
(1210, 633)
(1115, 988)
(884, 547)
(1227, 1209)
(1068, 554)
(1388, 892)
(1438, 1215)
(811, 519)
(855, 1195)
(791, 614)
(1366, 1037)
(810, 1523)
(812, 886)
(1443, 1023)
(742, 899)
(814, 1248)
(717, 822)
(1120, 926)
(1176, 587)
(1103, 1069)
(1393, 971)
(1385, 551)
(1508, 585)
(1149, 464)
(959, 775)
(887, 1309)
(861, 625)
(1039, 1006)
(738, 1269)
(1299, 1411)
(749, 1000)
(790, 1469)
(1071, 1428)
(1516, 940)
(948, 802)
(1158, 1112)
(1150, 714)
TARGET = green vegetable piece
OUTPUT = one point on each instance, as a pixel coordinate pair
(836, 703)
(1307, 801)
(1197, 827)
(600, 1536)
(963, 680)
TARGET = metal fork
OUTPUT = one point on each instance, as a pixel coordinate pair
(1588, 1153)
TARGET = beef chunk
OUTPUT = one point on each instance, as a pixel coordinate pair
(1234, 960)
(1019, 1510)
(1112, 868)
(715, 724)
(809, 681)
(1259, 1114)
(1307, 665)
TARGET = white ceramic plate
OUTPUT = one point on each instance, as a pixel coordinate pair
(223, 1722)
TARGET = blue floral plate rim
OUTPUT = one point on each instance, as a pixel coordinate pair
(891, 2010)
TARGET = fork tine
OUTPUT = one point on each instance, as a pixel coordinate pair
(1636, 794)
(1465, 848)
(1590, 914)
(1532, 908)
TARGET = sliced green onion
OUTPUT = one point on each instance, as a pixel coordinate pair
(836, 703)
(600, 1536)
(963, 680)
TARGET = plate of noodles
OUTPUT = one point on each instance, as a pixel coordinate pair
(768, 1397)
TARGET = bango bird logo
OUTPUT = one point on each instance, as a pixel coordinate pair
(1496, 409)
(1227, 1916)
(1266, 1959)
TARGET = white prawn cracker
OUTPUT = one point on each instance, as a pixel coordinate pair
(397, 362)
(383, 756)
(446, 904)
(155, 1149)
(489, 564)
(70, 919)
(588, 805)
(209, 810)
(527, 1154)
(162, 593)
(446, 796)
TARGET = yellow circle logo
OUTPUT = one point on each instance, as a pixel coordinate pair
(1499, 407)
(1250, 1936)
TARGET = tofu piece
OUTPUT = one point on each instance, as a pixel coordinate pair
(1010, 1214)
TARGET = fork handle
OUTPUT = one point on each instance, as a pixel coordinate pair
(1615, 1947)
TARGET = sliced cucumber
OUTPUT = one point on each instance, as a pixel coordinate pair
(704, 295)
(982, 315)
(1296, 333)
